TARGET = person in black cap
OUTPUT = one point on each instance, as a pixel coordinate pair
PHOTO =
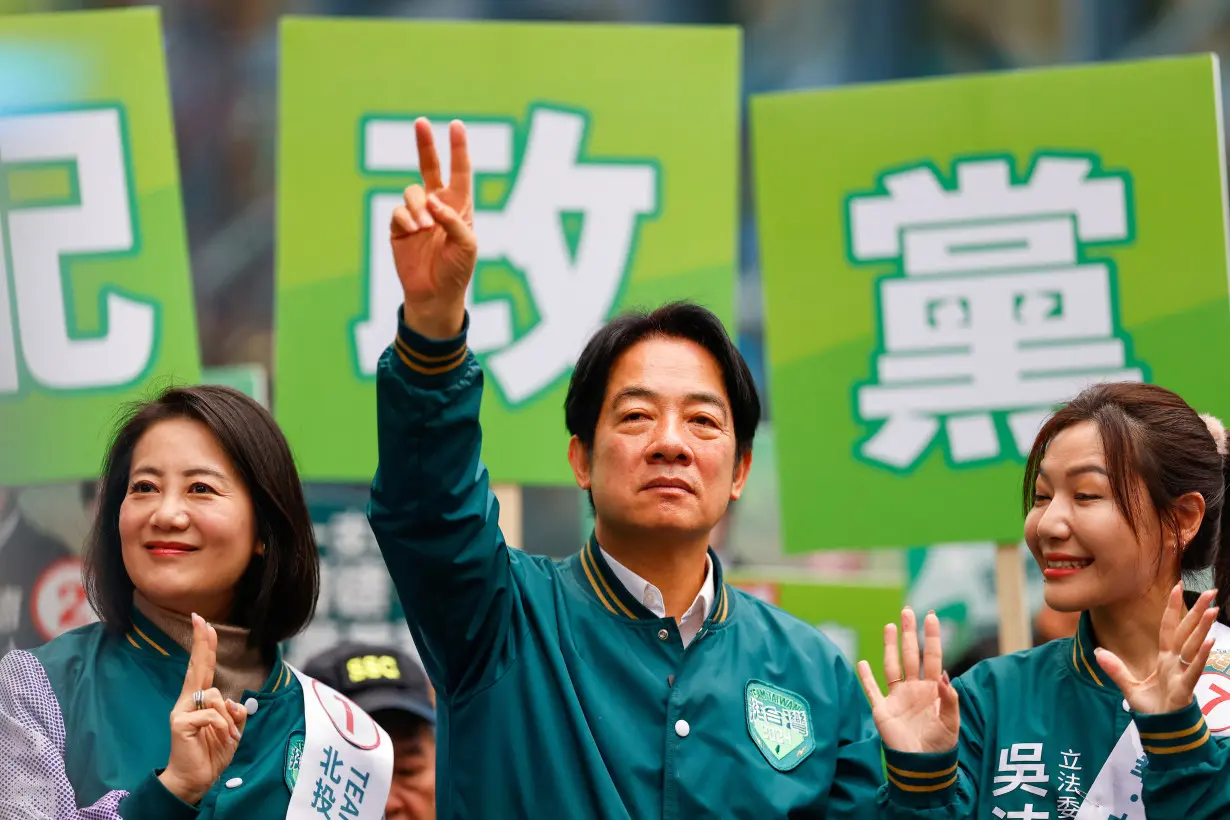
(393, 688)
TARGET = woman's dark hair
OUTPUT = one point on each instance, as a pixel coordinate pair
(276, 596)
(677, 320)
(1151, 433)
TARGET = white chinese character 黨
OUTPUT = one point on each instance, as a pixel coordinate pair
(362, 591)
(993, 309)
(1027, 813)
(351, 535)
(572, 282)
(1021, 767)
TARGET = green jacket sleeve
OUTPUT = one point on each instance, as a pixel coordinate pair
(940, 786)
(433, 514)
(859, 772)
(1188, 771)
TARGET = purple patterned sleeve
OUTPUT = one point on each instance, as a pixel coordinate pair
(33, 782)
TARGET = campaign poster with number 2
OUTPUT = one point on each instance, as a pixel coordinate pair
(95, 291)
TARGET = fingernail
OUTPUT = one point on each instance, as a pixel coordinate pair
(434, 201)
(235, 733)
(944, 678)
(930, 611)
(196, 619)
(427, 221)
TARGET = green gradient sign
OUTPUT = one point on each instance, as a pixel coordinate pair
(946, 261)
(95, 290)
(601, 182)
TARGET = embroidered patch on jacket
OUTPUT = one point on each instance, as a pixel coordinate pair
(294, 755)
(779, 722)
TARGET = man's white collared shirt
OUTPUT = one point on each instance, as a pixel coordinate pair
(651, 596)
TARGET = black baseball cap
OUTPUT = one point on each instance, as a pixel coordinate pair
(378, 678)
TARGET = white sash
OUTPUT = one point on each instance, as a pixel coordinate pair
(347, 762)
(1113, 789)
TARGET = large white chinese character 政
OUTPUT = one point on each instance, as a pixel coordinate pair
(994, 309)
(573, 289)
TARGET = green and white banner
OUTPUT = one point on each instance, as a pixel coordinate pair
(946, 261)
(95, 291)
(606, 176)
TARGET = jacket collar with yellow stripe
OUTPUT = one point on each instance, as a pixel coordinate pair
(1081, 661)
(151, 642)
(595, 577)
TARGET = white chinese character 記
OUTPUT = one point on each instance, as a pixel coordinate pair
(992, 308)
(362, 591)
(572, 285)
(1027, 813)
(1021, 767)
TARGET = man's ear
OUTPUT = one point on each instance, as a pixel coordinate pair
(742, 469)
(578, 458)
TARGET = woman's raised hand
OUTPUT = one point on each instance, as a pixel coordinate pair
(920, 712)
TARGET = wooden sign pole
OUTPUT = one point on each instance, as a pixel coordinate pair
(511, 513)
(1015, 633)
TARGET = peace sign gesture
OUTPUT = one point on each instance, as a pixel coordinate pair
(920, 713)
(205, 729)
(432, 235)
(1183, 648)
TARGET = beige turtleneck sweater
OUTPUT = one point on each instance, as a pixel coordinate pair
(239, 666)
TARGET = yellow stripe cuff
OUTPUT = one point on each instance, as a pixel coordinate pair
(1174, 750)
(922, 775)
(933, 787)
(1173, 735)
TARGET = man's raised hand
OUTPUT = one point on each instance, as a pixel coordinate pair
(432, 234)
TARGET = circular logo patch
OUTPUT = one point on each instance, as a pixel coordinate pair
(58, 602)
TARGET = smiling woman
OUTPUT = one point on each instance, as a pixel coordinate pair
(201, 561)
(1124, 498)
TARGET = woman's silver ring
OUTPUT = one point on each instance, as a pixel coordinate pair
(198, 699)
(1184, 661)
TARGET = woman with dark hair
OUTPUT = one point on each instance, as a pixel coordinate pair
(1125, 497)
(201, 560)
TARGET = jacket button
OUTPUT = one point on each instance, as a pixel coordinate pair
(234, 783)
(250, 705)
(682, 728)
(663, 634)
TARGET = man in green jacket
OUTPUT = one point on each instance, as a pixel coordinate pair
(628, 680)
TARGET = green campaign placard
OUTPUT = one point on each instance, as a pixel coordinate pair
(946, 261)
(95, 290)
(606, 177)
